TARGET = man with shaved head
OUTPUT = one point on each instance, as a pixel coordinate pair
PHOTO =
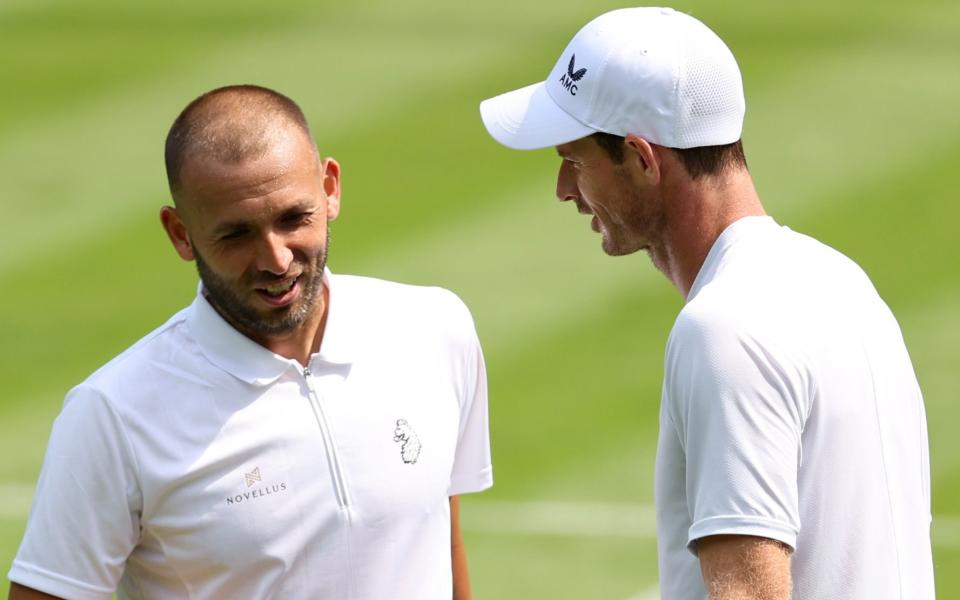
(292, 433)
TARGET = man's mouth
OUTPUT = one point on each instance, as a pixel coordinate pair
(280, 293)
(281, 288)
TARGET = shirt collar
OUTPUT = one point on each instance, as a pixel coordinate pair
(731, 235)
(340, 333)
(247, 360)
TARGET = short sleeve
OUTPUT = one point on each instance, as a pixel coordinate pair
(738, 403)
(472, 466)
(84, 521)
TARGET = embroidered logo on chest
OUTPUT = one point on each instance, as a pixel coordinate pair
(255, 478)
(252, 477)
(410, 443)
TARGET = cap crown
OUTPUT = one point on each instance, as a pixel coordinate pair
(654, 72)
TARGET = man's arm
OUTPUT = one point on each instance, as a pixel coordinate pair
(18, 592)
(461, 578)
(742, 567)
(87, 501)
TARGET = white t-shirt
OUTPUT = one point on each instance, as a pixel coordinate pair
(199, 464)
(791, 411)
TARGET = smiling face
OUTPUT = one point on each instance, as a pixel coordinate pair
(627, 211)
(258, 232)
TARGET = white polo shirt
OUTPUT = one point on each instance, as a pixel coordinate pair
(199, 464)
(791, 411)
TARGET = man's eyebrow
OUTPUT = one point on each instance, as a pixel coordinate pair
(303, 205)
(230, 226)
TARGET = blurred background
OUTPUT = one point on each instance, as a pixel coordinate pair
(852, 134)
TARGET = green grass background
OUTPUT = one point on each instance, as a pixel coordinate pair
(852, 133)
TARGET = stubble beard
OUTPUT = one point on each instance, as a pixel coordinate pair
(642, 229)
(253, 323)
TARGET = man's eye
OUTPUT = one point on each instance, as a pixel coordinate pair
(297, 218)
(236, 234)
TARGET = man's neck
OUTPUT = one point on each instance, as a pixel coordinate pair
(701, 210)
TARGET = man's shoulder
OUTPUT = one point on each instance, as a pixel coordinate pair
(390, 298)
(163, 344)
(386, 289)
(774, 278)
(722, 321)
(704, 326)
(794, 265)
(390, 314)
(718, 308)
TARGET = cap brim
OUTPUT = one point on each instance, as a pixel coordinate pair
(528, 119)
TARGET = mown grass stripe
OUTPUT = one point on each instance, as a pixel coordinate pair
(818, 135)
(648, 594)
(567, 518)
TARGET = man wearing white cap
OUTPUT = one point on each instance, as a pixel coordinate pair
(793, 453)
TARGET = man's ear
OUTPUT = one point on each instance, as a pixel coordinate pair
(647, 157)
(331, 186)
(177, 232)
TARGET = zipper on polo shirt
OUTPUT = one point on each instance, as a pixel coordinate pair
(336, 472)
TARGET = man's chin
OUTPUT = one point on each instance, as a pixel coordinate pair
(281, 319)
(258, 321)
(271, 326)
(619, 247)
(611, 248)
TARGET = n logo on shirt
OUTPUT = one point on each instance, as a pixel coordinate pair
(252, 477)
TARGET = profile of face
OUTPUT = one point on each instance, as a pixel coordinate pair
(258, 231)
(626, 210)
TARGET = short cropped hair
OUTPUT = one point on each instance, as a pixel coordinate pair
(699, 162)
(230, 124)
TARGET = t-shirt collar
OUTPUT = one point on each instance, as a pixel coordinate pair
(337, 346)
(247, 360)
(733, 233)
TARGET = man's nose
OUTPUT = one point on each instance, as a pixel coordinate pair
(273, 255)
(567, 183)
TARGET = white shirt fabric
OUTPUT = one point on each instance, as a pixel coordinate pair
(197, 464)
(791, 411)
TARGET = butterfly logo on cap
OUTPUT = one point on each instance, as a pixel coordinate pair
(575, 75)
(569, 79)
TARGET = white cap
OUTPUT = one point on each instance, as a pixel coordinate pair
(653, 72)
